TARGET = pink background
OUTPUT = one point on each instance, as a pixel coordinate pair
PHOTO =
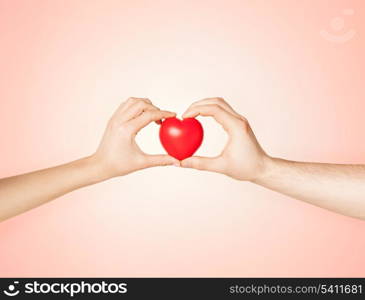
(66, 65)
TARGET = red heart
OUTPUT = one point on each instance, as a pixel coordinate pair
(181, 138)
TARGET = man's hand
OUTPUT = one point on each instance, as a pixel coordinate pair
(340, 188)
(242, 158)
(118, 153)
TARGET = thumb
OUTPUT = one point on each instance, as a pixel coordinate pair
(161, 160)
(201, 163)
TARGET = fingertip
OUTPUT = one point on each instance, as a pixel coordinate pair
(168, 114)
(186, 163)
(176, 163)
(188, 114)
(162, 160)
(165, 115)
(171, 161)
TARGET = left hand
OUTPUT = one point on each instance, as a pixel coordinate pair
(242, 158)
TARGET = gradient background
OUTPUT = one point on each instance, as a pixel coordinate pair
(66, 65)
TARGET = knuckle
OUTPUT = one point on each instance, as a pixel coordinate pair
(135, 100)
(244, 119)
(219, 99)
(140, 104)
(149, 115)
(130, 100)
(243, 123)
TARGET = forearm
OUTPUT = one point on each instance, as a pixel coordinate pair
(23, 192)
(340, 188)
(117, 155)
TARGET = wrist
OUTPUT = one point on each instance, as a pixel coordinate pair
(95, 168)
(269, 166)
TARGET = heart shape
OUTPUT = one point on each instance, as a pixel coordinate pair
(181, 138)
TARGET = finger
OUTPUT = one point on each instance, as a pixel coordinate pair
(127, 104)
(135, 110)
(212, 164)
(160, 160)
(226, 119)
(149, 116)
(218, 101)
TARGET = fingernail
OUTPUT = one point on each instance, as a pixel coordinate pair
(177, 164)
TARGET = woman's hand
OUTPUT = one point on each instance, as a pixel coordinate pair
(118, 153)
(242, 158)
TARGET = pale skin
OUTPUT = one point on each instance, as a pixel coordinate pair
(340, 188)
(117, 155)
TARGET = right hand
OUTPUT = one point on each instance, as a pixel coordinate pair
(118, 153)
(242, 158)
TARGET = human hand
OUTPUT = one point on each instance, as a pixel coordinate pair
(242, 158)
(118, 153)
